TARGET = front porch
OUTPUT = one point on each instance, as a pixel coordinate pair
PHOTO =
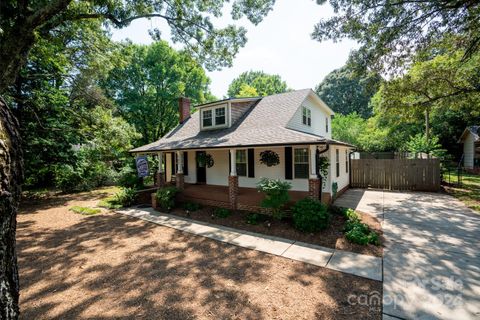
(214, 195)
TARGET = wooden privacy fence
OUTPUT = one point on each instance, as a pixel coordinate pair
(396, 174)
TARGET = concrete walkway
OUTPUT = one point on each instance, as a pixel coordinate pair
(431, 257)
(357, 264)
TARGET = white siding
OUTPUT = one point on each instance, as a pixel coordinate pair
(192, 169)
(218, 174)
(343, 179)
(468, 151)
(319, 116)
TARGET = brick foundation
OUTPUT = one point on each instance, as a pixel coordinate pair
(160, 179)
(314, 189)
(179, 181)
(326, 198)
(143, 196)
(233, 191)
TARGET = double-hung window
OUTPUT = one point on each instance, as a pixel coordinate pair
(214, 117)
(300, 158)
(207, 118)
(337, 162)
(306, 116)
(241, 160)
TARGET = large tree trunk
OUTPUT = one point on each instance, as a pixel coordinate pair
(11, 174)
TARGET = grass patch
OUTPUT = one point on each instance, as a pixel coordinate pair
(467, 191)
(110, 203)
(85, 210)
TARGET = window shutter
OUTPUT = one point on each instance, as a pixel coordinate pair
(288, 163)
(185, 163)
(229, 162)
(173, 162)
(251, 163)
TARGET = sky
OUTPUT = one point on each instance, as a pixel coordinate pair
(281, 44)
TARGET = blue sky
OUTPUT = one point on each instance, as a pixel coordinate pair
(281, 44)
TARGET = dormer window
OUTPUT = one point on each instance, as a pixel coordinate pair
(214, 117)
(306, 116)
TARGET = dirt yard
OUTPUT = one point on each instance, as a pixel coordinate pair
(111, 266)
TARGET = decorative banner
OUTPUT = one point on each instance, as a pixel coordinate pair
(142, 166)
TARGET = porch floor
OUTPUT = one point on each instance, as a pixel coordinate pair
(246, 196)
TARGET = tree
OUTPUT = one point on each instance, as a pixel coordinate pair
(348, 128)
(390, 32)
(420, 144)
(247, 91)
(345, 92)
(23, 23)
(263, 83)
(147, 84)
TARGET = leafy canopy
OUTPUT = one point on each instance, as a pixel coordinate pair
(345, 92)
(390, 32)
(256, 83)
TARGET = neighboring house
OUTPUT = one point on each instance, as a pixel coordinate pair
(471, 147)
(232, 133)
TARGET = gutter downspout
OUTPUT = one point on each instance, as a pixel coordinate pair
(350, 166)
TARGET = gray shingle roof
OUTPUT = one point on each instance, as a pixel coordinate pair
(264, 124)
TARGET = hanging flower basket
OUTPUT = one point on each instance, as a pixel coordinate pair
(205, 159)
(269, 158)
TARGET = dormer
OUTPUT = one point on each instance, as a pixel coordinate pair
(224, 113)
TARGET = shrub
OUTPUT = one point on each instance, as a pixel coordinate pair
(276, 195)
(166, 198)
(310, 215)
(191, 206)
(254, 218)
(358, 232)
(68, 178)
(126, 197)
(128, 178)
(85, 210)
(221, 213)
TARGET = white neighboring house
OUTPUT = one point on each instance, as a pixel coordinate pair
(233, 132)
(471, 147)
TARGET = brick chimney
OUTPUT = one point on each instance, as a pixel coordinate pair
(183, 108)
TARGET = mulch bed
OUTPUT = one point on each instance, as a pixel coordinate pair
(332, 237)
(111, 266)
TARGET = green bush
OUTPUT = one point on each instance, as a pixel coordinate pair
(191, 206)
(358, 232)
(68, 178)
(276, 195)
(254, 218)
(85, 210)
(166, 198)
(310, 215)
(126, 197)
(221, 213)
(128, 178)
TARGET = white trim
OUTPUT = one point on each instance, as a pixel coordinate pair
(179, 161)
(213, 110)
(233, 162)
(161, 169)
(293, 162)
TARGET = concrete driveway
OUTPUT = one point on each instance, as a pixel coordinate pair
(431, 261)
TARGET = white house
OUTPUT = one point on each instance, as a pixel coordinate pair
(214, 154)
(471, 147)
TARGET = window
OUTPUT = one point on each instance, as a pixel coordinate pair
(241, 161)
(326, 124)
(207, 118)
(337, 161)
(346, 161)
(219, 116)
(300, 158)
(307, 116)
(214, 117)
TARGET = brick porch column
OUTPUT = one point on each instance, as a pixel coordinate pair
(179, 178)
(233, 180)
(314, 188)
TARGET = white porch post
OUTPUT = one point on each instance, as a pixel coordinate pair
(233, 162)
(179, 161)
(313, 162)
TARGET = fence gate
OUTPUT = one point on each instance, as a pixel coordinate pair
(396, 174)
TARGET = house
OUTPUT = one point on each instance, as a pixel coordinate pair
(214, 155)
(471, 148)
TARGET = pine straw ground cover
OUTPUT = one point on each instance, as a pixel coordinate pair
(332, 237)
(109, 265)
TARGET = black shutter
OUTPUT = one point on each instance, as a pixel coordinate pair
(185, 163)
(173, 162)
(288, 163)
(229, 162)
(251, 163)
